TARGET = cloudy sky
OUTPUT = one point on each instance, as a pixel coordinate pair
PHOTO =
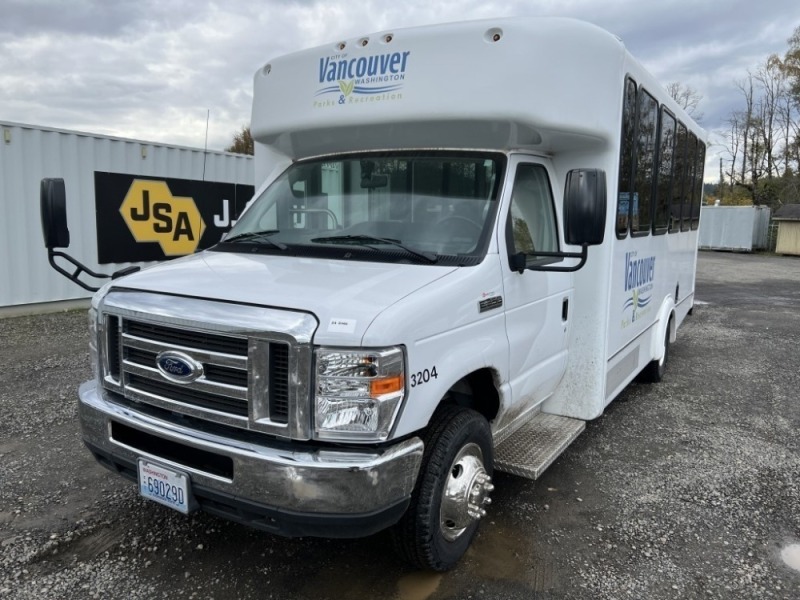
(150, 69)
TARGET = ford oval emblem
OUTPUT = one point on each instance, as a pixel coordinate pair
(178, 367)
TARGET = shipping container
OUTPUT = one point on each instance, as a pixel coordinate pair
(99, 172)
(740, 228)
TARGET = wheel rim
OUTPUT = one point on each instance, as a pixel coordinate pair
(466, 492)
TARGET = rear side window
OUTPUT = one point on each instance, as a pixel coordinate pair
(688, 183)
(699, 166)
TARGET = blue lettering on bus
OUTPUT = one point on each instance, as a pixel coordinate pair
(638, 271)
(377, 64)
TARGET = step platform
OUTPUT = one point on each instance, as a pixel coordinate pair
(535, 445)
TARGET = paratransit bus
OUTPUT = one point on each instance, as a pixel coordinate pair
(466, 240)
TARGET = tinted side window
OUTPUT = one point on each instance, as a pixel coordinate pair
(625, 180)
(698, 183)
(679, 178)
(664, 173)
(688, 183)
(531, 223)
(642, 205)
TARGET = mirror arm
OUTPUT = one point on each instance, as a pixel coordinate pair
(79, 268)
(582, 255)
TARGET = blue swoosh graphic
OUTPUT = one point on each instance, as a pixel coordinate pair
(377, 90)
(335, 89)
(328, 90)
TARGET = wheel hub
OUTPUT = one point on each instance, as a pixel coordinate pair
(466, 492)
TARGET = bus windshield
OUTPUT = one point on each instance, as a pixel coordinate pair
(432, 207)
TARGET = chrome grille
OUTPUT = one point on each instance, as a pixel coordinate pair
(255, 360)
(223, 386)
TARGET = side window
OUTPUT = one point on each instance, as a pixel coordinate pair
(625, 180)
(678, 178)
(531, 225)
(688, 183)
(698, 183)
(646, 125)
(666, 145)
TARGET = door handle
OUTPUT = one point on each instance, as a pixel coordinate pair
(565, 309)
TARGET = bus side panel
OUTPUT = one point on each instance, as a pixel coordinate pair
(652, 278)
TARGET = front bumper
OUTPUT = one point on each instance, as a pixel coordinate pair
(294, 492)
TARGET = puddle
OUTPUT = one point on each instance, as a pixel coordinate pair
(418, 586)
(503, 554)
(791, 556)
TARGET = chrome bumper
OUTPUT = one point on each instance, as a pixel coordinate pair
(317, 483)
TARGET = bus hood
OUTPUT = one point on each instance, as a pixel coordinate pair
(345, 296)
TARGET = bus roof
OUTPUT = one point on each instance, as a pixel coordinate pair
(541, 84)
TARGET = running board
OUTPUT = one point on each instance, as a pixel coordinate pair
(535, 445)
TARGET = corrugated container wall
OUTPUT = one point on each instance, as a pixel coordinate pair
(743, 228)
(29, 153)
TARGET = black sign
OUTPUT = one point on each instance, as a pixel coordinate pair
(141, 218)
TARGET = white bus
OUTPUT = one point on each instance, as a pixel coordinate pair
(466, 240)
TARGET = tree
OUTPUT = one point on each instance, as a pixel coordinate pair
(764, 136)
(242, 142)
(791, 63)
(687, 97)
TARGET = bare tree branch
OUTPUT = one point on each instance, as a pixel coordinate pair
(687, 97)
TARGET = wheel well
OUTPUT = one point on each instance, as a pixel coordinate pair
(476, 391)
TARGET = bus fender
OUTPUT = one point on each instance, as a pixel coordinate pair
(665, 315)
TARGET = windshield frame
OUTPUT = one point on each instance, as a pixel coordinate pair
(352, 249)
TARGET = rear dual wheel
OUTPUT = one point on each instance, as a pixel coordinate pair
(452, 490)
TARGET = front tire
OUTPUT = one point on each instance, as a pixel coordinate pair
(452, 490)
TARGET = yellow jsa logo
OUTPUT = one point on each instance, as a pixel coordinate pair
(153, 214)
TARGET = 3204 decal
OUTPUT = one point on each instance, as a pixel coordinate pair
(423, 376)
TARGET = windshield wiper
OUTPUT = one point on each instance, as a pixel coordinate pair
(367, 239)
(260, 236)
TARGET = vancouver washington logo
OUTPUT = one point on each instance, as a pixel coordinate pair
(375, 78)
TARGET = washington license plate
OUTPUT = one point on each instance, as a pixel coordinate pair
(164, 485)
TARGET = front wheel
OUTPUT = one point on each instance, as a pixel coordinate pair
(452, 490)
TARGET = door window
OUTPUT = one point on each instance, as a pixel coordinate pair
(531, 225)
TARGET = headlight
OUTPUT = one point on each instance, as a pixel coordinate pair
(357, 393)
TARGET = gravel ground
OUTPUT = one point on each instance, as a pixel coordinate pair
(685, 489)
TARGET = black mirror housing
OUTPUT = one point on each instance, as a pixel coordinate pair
(585, 207)
(53, 208)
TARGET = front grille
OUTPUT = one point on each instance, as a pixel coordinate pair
(112, 326)
(279, 382)
(173, 336)
(165, 389)
(226, 387)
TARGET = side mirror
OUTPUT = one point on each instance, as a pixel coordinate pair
(585, 207)
(53, 207)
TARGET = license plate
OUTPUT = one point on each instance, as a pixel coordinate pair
(165, 486)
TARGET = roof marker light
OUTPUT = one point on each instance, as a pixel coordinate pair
(494, 34)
